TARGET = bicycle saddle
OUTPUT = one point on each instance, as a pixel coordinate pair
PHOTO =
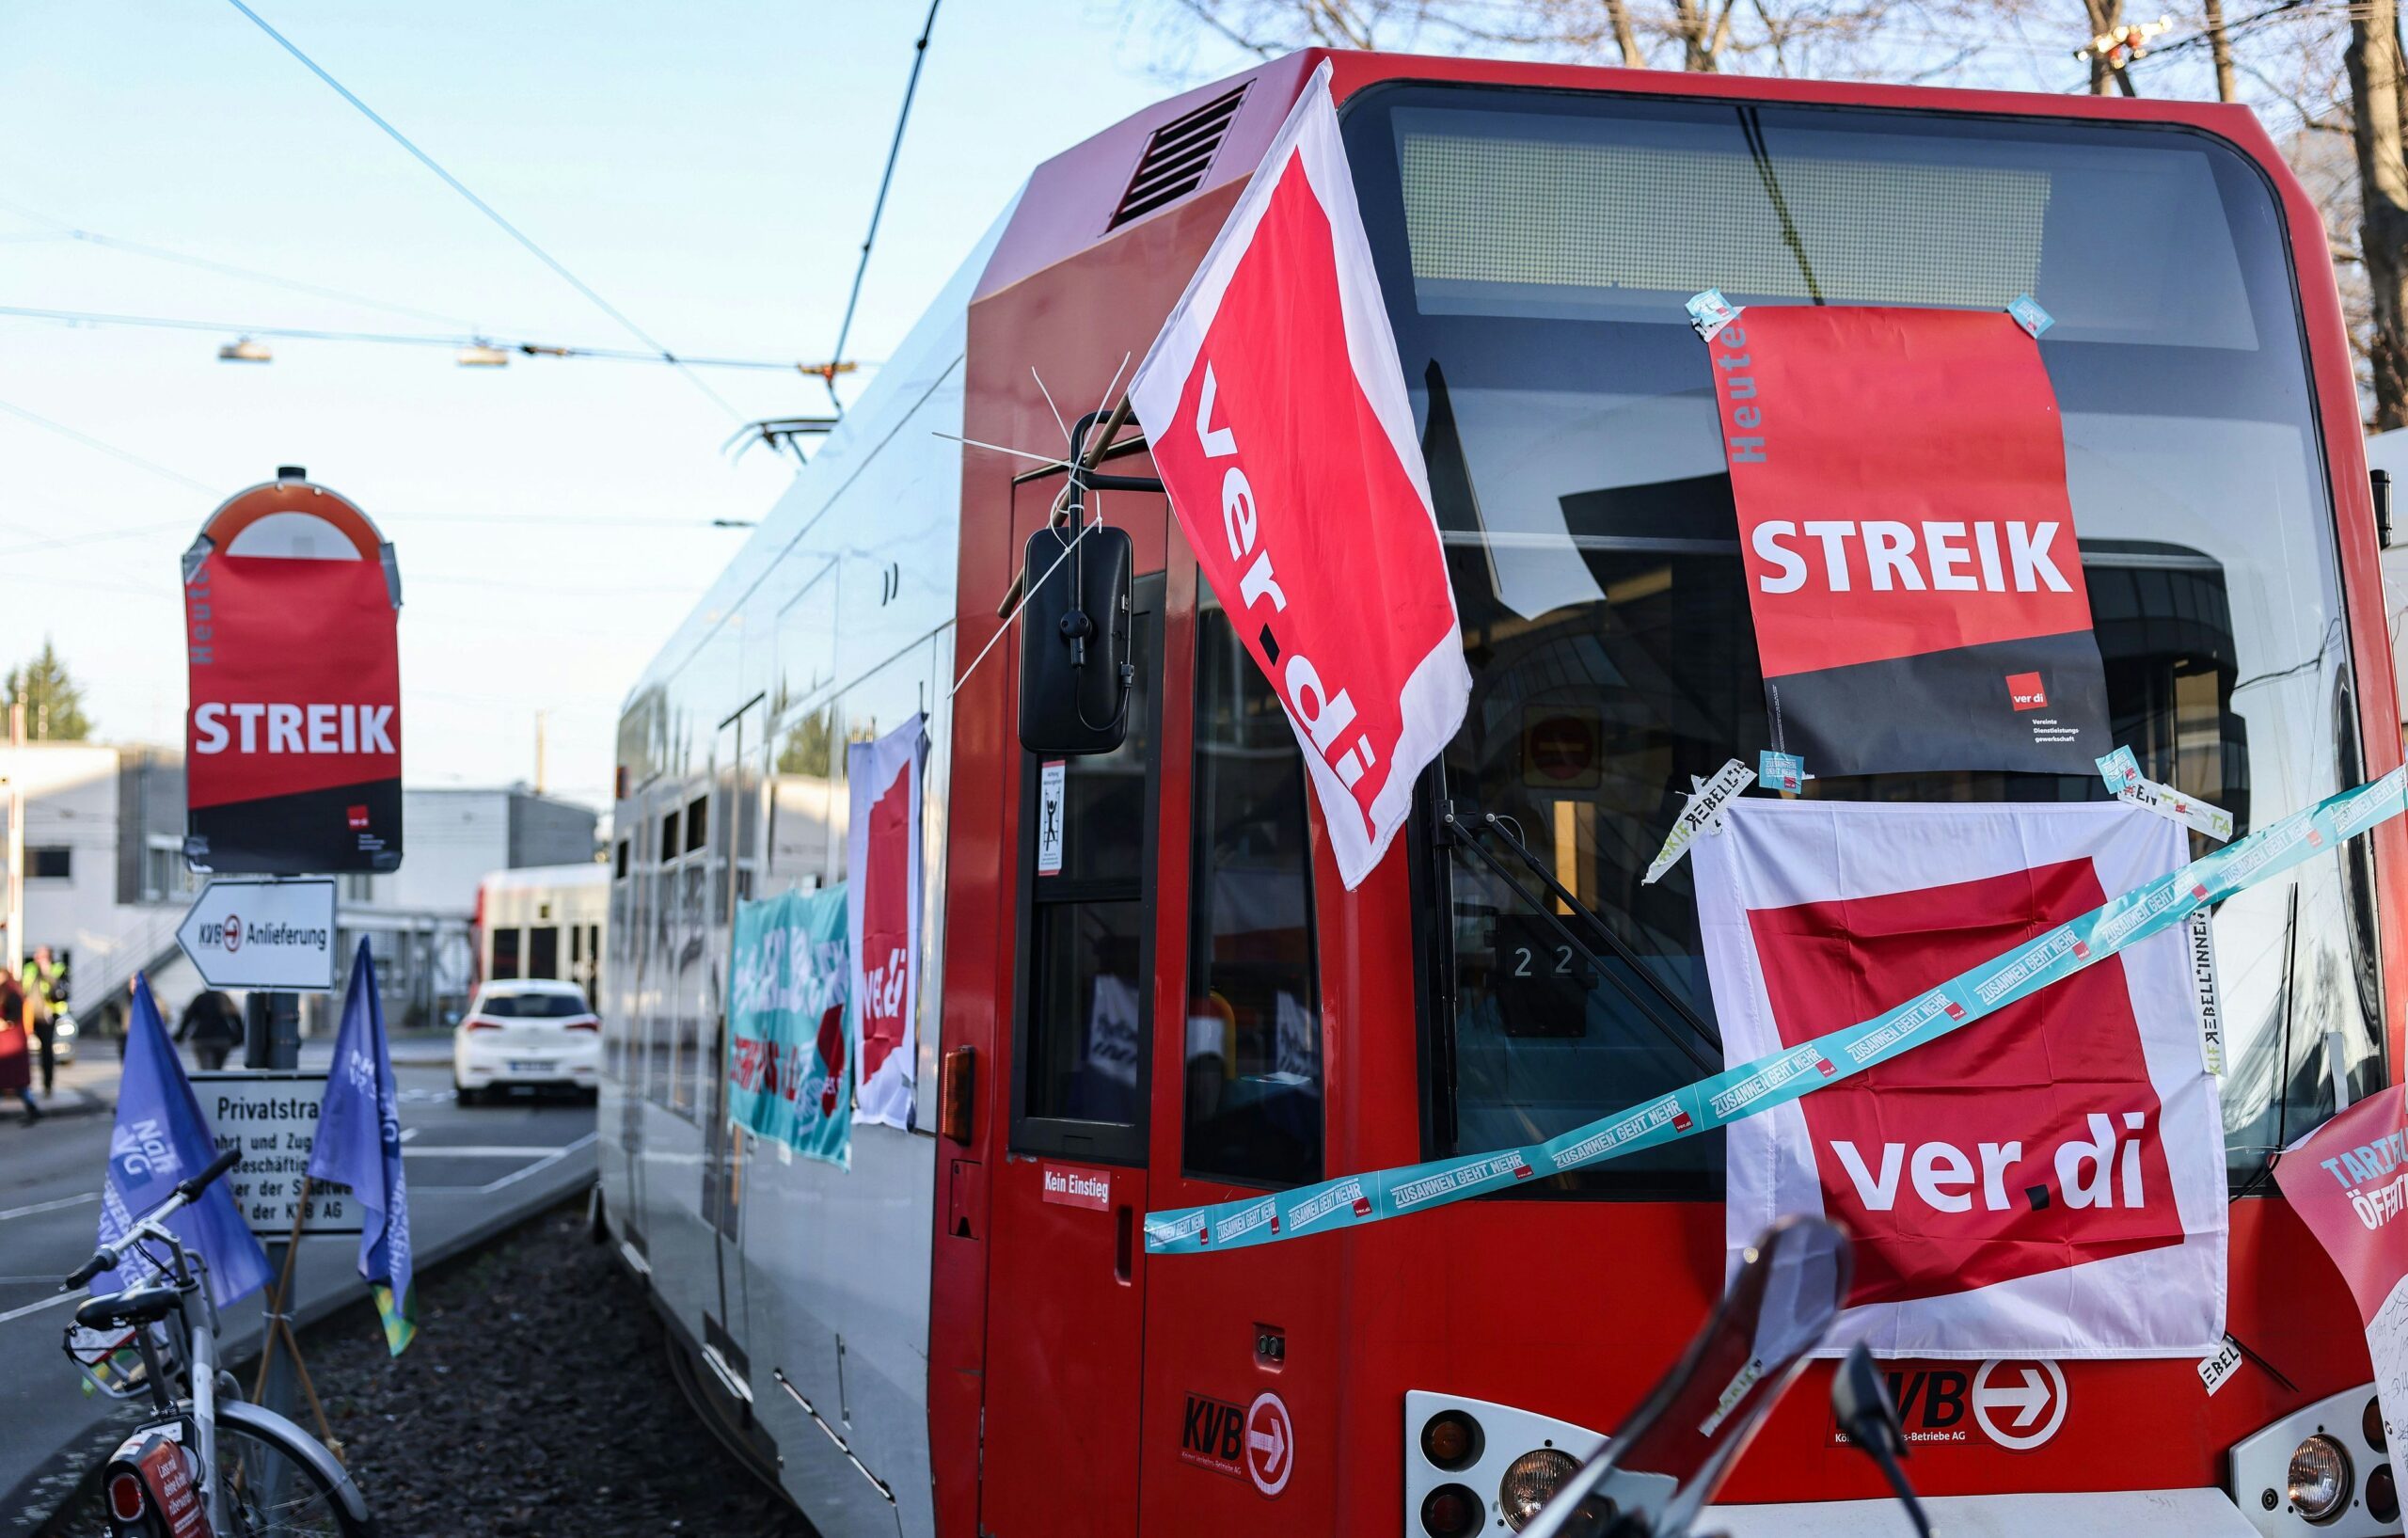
(134, 1306)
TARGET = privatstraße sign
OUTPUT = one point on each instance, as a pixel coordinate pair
(272, 1117)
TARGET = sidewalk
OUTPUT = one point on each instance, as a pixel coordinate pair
(87, 1087)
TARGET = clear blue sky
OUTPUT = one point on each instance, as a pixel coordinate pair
(708, 167)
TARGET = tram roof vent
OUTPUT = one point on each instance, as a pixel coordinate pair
(1176, 157)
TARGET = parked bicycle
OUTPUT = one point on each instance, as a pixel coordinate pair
(205, 1465)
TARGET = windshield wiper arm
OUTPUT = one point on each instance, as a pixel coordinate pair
(1462, 825)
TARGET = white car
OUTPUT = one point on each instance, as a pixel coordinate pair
(527, 1033)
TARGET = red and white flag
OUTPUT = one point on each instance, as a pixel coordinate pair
(2047, 1181)
(882, 859)
(1276, 410)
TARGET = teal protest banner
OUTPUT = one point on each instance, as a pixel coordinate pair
(790, 1024)
(1752, 1088)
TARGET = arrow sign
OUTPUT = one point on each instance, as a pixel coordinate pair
(264, 934)
(2029, 1401)
(2026, 1387)
(1269, 1444)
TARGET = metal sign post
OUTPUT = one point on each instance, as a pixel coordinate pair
(293, 770)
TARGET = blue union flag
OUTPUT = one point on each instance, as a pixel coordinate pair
(160, 1139)
(359, 1144)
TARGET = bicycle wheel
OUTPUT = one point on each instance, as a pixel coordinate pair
(276, 1490)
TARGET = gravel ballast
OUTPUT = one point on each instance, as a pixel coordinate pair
(536, 1398)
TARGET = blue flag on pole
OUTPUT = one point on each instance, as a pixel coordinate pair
(359, 1144)
(160, 1139)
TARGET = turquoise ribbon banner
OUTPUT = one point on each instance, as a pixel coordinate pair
(789, 1023)
(1353, 1200)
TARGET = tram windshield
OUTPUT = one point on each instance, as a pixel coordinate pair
(1536, 250)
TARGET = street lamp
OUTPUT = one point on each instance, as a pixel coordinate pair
(483, 355)
(244, 350)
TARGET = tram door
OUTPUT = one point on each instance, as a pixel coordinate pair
(1065, 1270)
(736, 793)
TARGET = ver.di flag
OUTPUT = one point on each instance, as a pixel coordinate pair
(359, 1144)
(883, 854)
(1276, 411)
(161, 1140)
(1909, 540)
(790, 1040)
(2050, 1184)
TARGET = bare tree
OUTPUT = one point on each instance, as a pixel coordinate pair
(1781, 37)
(2286, 59)
(2376, 127)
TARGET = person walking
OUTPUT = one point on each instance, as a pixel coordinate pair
(214, 1025)
(16, 1069)
(45, 984)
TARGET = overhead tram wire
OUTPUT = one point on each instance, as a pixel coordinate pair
(226, 269)
(88, 441)
(402, 339)
(877, 208)
(489, 210)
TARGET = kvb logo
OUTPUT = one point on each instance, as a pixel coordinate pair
(1213, 1434)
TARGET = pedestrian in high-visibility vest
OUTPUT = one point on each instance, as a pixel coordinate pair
(45, 984)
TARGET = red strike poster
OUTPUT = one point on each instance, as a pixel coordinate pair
(1910, 548)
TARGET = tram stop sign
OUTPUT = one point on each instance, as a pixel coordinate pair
(293, 732)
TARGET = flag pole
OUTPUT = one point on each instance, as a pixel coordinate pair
(279, 1296)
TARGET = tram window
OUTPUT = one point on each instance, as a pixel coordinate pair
(543, 951)
(1578, 480)
(505, 954)
(1085, 956)
(1087, 931)
(1253, 1082)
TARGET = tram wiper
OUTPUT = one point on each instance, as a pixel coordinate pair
(1462, 826)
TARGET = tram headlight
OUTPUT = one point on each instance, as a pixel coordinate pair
(1531, 1482)
(1451, 1440)
(2320, 1479)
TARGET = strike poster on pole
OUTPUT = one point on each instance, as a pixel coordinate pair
(292, 735)
(2348, 1182)
(788, 1064)
(1908, 542)
(1276, 413)
(882, 852)
(2051, 1184)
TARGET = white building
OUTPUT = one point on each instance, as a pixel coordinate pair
(417, 919)
(105, 884)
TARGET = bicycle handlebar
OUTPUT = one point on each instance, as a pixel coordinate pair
(186, 1192)
(190, 1190)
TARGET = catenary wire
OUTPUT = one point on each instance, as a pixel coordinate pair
(399, 339)
(877, 208)
(484, 208)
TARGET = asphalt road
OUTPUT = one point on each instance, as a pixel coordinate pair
(472, 1172)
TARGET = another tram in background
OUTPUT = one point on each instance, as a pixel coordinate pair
(543, 922)
(1179, 1003)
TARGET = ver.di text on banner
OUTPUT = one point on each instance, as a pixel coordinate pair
(2051, 1183)
(882, 852)
(1276, 411)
